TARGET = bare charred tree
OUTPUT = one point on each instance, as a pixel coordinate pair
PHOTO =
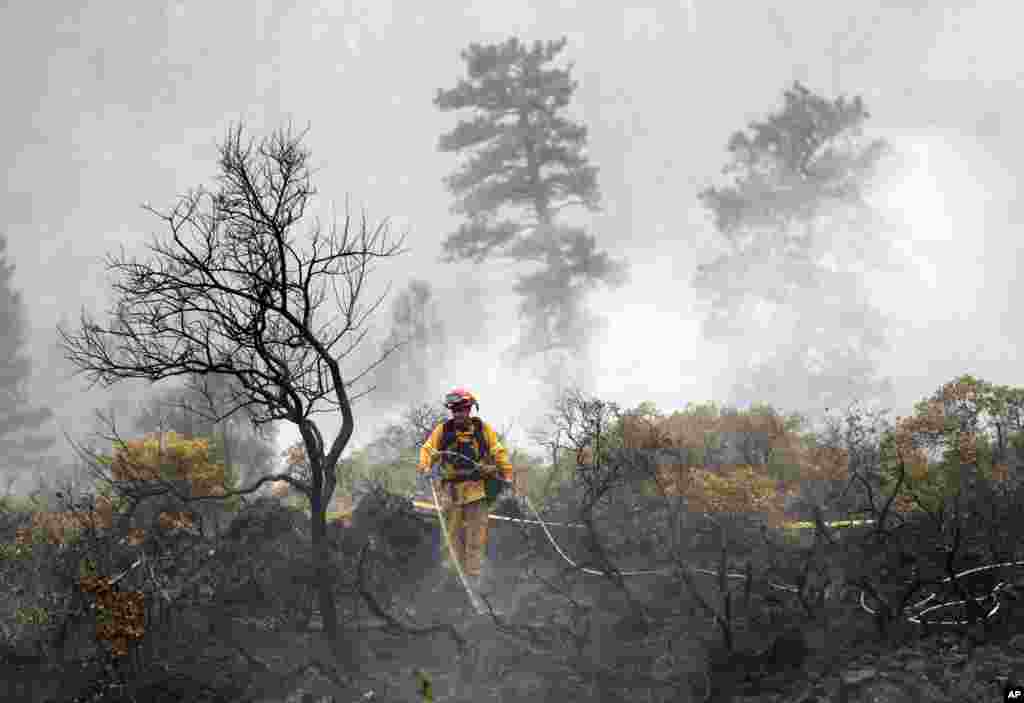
(231, 295)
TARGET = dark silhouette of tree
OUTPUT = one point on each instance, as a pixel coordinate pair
(231, 295)
(21, 440)
(527, 163)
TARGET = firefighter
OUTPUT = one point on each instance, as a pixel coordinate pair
(475, 469)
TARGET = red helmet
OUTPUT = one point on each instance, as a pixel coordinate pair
(458, 397)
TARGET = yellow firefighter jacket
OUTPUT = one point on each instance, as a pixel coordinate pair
(464, 492)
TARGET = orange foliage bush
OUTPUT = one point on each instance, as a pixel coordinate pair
(730, 488)
(967, 447)
(933, 425)
(137, 461)
(690, 430)
(947, 421)
(826, 463)
(676, 430)
(647, 432)
(120, 617)
(58, 526)
(167, 457)
(904, 504)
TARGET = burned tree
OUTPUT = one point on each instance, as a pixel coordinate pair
(231, 295)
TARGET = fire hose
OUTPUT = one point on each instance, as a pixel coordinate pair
(473, 598)
(915, 619)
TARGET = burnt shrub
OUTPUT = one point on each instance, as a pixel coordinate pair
(400, 541)
(264, 560)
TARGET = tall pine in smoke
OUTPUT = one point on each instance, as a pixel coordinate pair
(799, 235)
(22, 441)
(526, 162)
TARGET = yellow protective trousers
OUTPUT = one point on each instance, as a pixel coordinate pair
(467, 529)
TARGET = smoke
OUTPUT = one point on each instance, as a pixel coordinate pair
(924, 299)
(431, 326)
(516, 340)
(905, 303)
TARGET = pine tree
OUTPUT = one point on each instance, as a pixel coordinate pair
(528, 162)
(21, 440)
(799, 228)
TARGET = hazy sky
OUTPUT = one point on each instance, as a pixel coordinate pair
(114, 104)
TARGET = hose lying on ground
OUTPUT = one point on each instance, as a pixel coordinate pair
(916, 619)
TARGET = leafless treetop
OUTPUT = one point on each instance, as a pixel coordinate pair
(231, 294)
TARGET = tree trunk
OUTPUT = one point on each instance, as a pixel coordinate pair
(341, 650)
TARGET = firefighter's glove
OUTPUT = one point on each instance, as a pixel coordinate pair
(472, 474)
(445, 472)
